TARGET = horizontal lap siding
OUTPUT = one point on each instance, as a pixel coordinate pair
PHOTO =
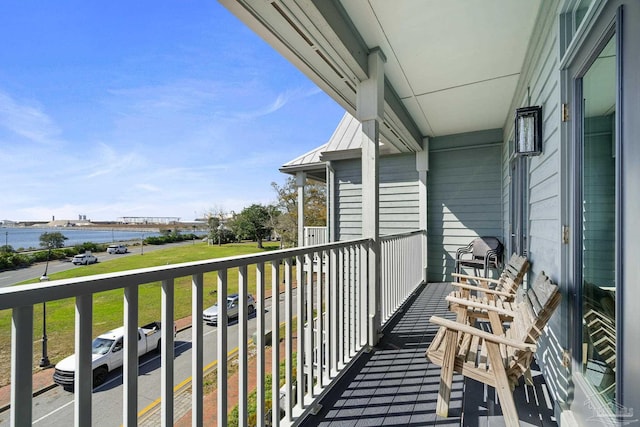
(399, 210)
(544, 170)
(541, 86)
(464, 202)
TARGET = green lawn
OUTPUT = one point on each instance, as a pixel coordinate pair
(108, 306)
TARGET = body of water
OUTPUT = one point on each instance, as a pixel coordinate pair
(29, 237)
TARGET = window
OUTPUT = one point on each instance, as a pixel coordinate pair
(597, 196)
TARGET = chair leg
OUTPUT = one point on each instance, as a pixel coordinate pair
(509, 412)
(446, 373)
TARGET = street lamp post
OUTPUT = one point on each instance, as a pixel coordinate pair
(142, 250)
(44, 361)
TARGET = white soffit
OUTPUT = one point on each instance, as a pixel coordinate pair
(449, 51)
(469, 108)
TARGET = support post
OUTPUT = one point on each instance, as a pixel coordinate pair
(370, 112)
(301, 179)
(422, 166)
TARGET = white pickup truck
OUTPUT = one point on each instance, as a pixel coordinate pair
(107, 354)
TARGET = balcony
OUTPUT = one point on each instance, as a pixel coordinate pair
(339, 377)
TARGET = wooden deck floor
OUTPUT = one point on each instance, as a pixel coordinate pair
(396, 385)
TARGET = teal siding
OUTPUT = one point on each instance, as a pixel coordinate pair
(399, 210)
(540, 85)
(464, 196)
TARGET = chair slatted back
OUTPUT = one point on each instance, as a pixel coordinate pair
(534, 310)
(513, 274)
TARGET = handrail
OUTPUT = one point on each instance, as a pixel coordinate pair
(19, 295)
(334, 294)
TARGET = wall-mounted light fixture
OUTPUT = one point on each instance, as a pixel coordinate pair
(528, 131)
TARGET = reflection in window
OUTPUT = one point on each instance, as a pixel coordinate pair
(571, 18)
(598, 225)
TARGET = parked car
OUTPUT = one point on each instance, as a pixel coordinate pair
(85, 259)
(210, 315)
(107, 354)
(116, 249)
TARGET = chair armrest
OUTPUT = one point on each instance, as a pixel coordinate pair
(481, 306)
(480, 279)
(481, 289)
(460, 327)
(464, 250)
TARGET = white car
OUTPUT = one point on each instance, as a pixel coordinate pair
(85, 259)
(210, 315)
(116, 249)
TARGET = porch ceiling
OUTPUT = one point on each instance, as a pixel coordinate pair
(452, 66)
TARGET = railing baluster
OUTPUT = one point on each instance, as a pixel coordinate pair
(21, 366)
(300, 331)
(167, 360)
(197, 349)
(260, 332)
(84, 375)
(222, 347)
(341, 307)
(242, 347)
(288, 319)
(308, 333)
(275, 343)
(130, 368)
(321, 317)
(332, 310)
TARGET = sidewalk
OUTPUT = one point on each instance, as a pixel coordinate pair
(182, 398)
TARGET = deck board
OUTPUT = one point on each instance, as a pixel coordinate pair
(396, 385)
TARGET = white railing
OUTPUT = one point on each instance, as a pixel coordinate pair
(402, 269)
(315, 236)
(336, 288)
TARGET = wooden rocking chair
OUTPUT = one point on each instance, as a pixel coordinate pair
(503, 291)
(498, 360)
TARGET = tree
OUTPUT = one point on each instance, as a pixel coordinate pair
(52, 240)
(315, 209)
(215, 222)
(254, 223)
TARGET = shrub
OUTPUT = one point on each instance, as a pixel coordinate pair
(91, 247)
(13, 260)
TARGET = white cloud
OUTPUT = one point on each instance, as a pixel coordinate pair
(281, 100)
(26, 121)
(149, 187)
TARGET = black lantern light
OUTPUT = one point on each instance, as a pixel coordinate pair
(528, 131)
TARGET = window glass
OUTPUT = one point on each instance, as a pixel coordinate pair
(571, 19)
(599, 224)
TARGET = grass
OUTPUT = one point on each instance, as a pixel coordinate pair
(108, 306)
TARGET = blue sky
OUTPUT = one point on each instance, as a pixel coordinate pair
(145, 108)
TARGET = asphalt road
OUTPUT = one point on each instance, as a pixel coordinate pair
(11, 277)
(55, 407)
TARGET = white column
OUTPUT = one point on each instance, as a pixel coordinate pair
(370, 112)
(301, 179)
(422, 166)
(331, 203)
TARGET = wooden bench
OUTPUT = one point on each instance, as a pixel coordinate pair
(503, 291)
(498, 360)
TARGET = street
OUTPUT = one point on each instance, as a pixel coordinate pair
(55, 407)
(11, 277)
